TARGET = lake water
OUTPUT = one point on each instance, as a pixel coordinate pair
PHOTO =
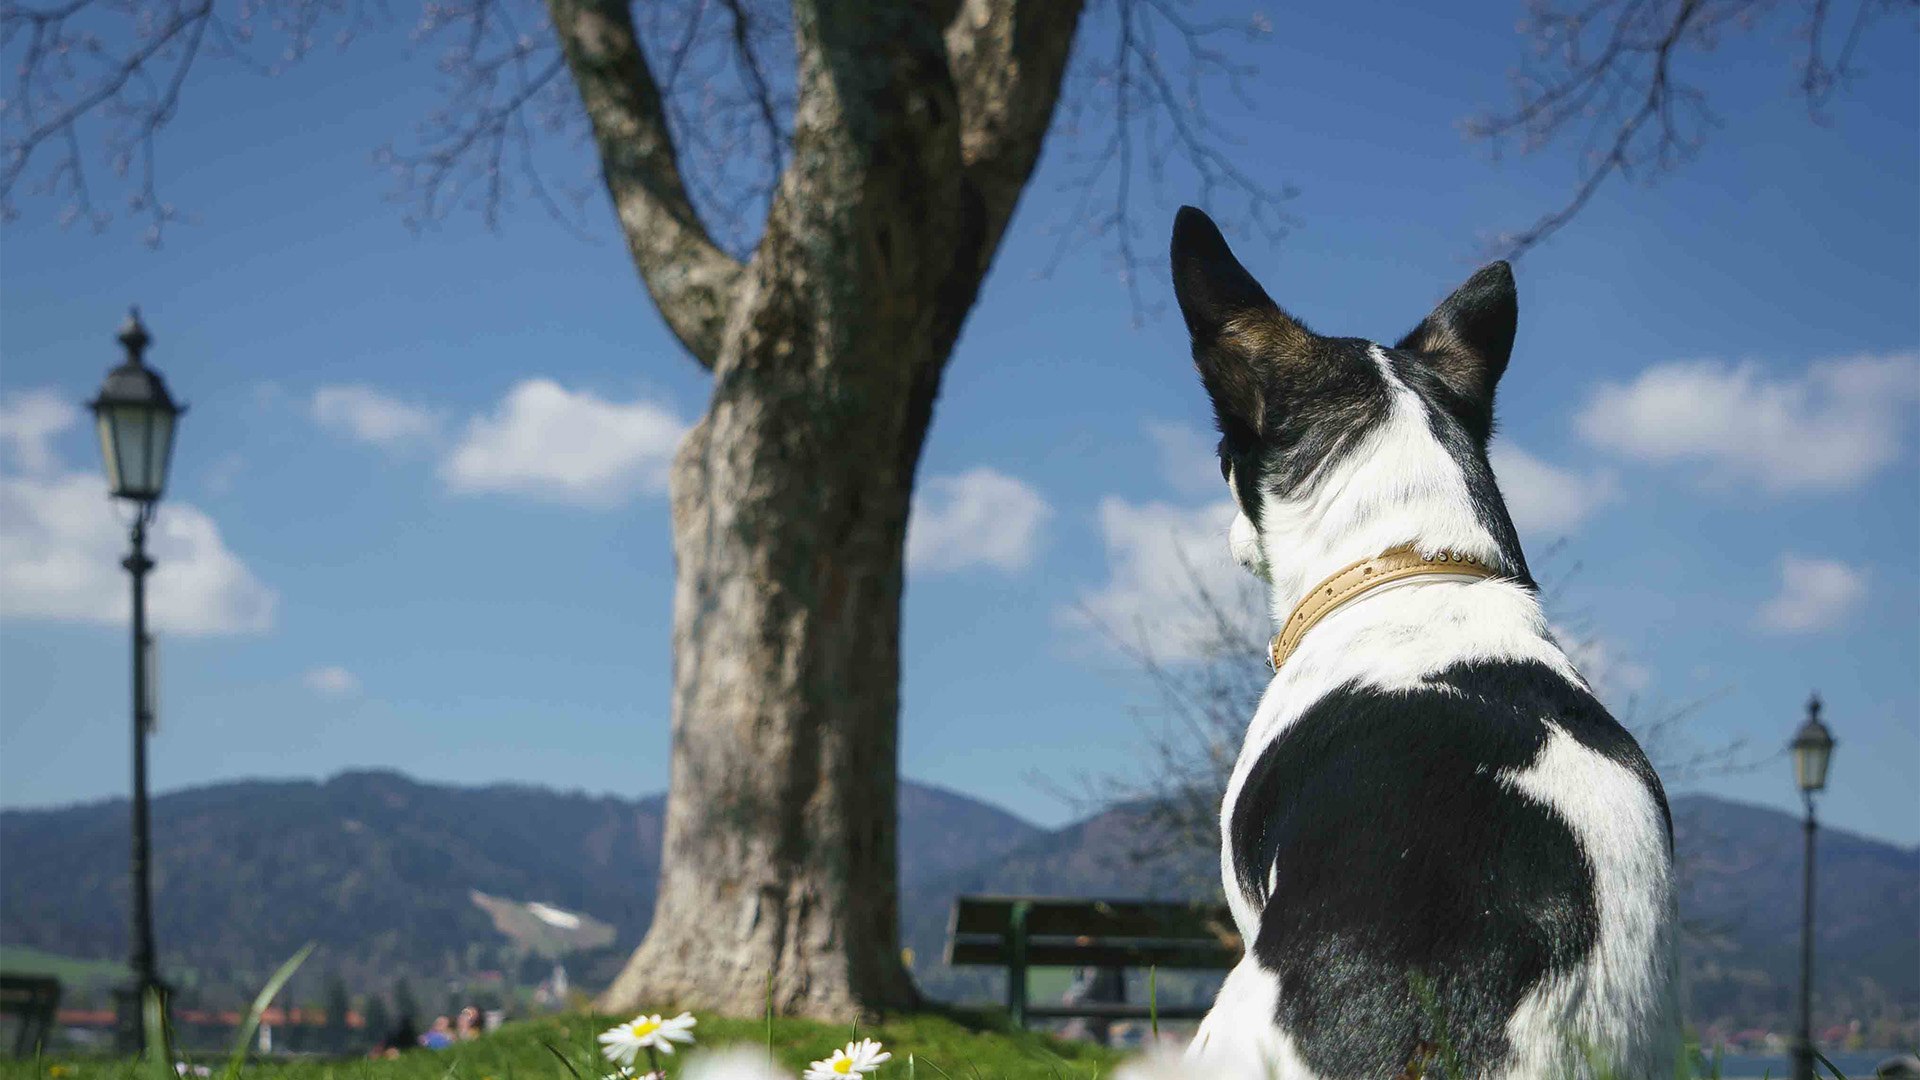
(1856, 1065)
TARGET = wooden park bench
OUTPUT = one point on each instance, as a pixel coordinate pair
(1021, 932)
(32, 1000)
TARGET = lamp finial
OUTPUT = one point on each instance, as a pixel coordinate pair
(133, 335)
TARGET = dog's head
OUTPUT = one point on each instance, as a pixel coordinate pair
(1336, 448)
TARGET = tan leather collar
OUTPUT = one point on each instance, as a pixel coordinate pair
(1357, 579)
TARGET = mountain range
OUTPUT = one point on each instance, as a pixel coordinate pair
(398, 878)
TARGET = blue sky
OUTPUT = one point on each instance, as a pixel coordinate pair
(416, 518)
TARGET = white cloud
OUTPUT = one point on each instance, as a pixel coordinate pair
(549, 442)
(1165, 563)
(1815, 594)
(979, 518)
(62, 539)
(61, 543)
(1830, 427)
(28, 423)
(331, 680)
(1547, 500)
(1188, 458)
(370, 416)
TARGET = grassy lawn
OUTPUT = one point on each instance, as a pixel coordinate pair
(958, 1045)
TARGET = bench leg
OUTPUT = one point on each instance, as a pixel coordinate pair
(1017, 964)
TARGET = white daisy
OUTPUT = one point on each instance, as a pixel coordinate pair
(623, 1042)
(624, 1072)
(857, 1059)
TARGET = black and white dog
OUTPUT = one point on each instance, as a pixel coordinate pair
(1437, 844)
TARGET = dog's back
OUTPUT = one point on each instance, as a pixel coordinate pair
(1472, 869)
(1437, 843)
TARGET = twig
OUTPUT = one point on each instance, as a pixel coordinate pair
(1616, 70)
(1150, 123)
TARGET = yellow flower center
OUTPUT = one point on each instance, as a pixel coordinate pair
(843, 1066)
(644, 1028)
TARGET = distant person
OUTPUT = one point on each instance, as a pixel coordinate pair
(468, 1025)
(439, 1036)
(403, 1037)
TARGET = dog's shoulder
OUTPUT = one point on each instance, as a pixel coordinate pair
(1383, 831)
(1366, 753)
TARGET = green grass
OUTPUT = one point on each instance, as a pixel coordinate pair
(962, 1046)
(959, 1045)
(949, 1045)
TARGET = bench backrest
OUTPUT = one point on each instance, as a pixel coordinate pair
(1074, 932)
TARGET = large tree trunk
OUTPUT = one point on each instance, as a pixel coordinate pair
(779, 857)
(913, 137)
(790, 506)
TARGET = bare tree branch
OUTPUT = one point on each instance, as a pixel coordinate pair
(1008, 58)
(727, 88)
(126, 65)
(1191, 733)
(495, 138)
(1616, 71)
(722, 109)
(761, 88)
(1820, 77)
(1153, 122)
(691, 279)
(478, 151)
(504, 94)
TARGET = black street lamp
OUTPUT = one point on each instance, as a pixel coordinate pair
(136, 417)
(1812, 748)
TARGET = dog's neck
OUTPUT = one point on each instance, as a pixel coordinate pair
(1356, 581)
(1398, 487)
(1302, 556)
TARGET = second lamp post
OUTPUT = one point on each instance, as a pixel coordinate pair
(1812, 749)
(136, 416)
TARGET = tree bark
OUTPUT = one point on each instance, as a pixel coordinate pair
(777, 870)
(790, 500)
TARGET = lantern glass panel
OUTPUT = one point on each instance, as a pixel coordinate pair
(1810, 766)
(130, 443)
(104, 422)
(159, 450)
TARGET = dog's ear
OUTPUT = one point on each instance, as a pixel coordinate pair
(1469, 337)
(1239, 334)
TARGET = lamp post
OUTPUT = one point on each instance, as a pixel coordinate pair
(1812, 748)
(136, 417)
